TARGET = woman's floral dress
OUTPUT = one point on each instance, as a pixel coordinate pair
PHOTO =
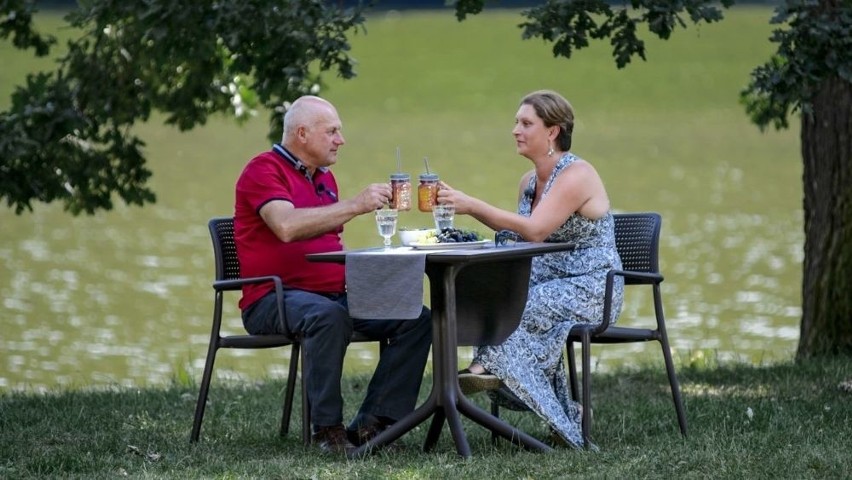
(566, 288)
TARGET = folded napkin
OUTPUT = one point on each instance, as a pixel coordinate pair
(385, 285)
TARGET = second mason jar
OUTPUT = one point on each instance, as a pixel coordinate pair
(427, 191)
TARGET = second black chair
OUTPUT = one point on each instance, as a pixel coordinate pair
(637, 238)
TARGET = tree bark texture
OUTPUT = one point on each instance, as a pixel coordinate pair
(826, 327)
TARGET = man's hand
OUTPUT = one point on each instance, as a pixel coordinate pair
(374, 197)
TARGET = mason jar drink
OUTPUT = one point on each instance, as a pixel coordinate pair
(427, 191)
(401, 186)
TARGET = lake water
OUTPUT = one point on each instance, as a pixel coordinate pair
(124, 297)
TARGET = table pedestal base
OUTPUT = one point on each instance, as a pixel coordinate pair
(459, 405)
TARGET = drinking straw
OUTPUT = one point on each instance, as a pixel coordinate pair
(426, 162)
(398, 161)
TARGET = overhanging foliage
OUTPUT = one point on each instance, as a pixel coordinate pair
(68, 134)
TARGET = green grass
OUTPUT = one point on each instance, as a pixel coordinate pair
(799, 429)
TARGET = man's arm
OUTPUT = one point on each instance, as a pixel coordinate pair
(290, 223)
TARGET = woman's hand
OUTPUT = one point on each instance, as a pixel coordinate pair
(462, 202)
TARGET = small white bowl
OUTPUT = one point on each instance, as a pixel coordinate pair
(413, 235)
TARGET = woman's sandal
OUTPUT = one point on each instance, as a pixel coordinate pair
(470, 382)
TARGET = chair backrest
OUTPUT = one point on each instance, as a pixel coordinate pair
(637, 238)
(224, 248)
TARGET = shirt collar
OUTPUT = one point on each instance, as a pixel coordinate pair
(294, 161)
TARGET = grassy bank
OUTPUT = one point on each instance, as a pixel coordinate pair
(799, 427)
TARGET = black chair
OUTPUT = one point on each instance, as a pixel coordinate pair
(228, 279)
(637, 238)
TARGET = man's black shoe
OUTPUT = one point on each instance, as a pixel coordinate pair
(368, 430)
(332, 440)
(365, 433)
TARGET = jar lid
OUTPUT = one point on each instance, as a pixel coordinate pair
(429, 177)
(399, 176)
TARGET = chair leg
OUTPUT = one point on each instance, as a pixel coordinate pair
(670, 370)
(291, 390)
(676, 398)
(586, 337)
(306, 405)
(495, 411)
(572, 370)
(203, 390)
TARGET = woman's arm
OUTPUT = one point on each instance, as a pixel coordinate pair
(577, 189)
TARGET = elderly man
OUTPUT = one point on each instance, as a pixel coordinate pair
(287, 205)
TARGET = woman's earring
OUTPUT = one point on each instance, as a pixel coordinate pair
(550, 151)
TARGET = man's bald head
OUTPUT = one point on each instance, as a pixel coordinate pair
(303, 113)
(312, 132)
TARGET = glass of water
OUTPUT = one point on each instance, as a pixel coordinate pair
(386, 223)
(443, 214)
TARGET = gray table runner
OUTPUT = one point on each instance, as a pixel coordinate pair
(385, 285)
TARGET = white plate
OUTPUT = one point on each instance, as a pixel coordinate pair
(450, 246)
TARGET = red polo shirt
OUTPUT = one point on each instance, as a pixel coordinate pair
(271, 176)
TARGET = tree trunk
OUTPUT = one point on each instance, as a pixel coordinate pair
(827, 276)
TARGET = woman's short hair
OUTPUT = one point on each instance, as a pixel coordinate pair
(554, 110)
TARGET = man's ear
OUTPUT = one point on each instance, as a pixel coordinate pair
(302, 134)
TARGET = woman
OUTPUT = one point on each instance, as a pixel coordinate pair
(561, 200)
